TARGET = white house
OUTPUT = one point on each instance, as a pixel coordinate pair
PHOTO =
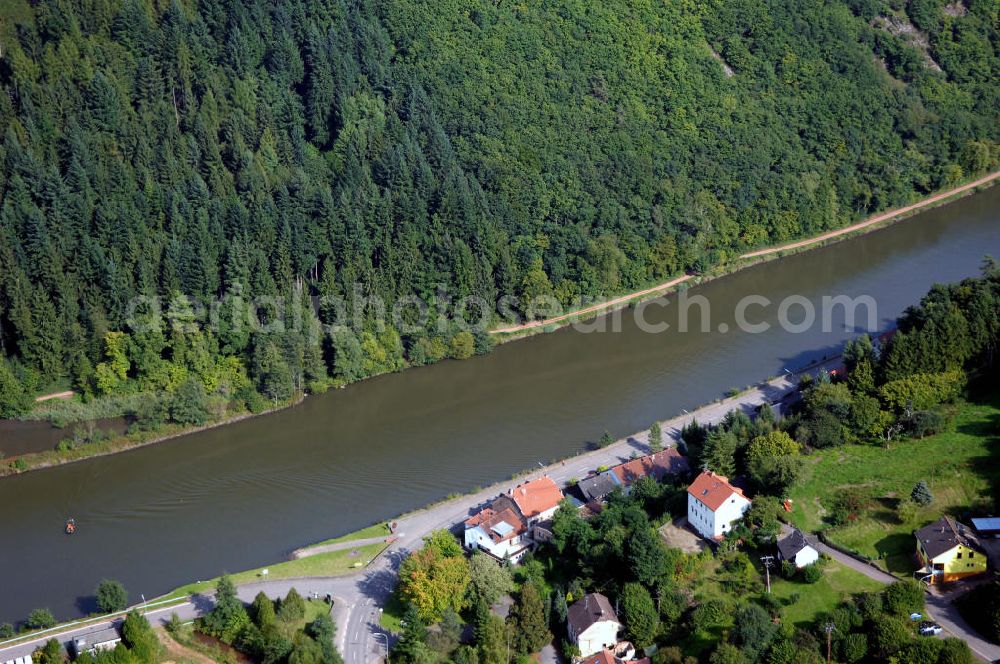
(714, 505)
(797, 549)
(592, 624)
(499, 530)
(96, 641)
(510, 525)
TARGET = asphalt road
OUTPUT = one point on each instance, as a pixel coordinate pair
(359, 596)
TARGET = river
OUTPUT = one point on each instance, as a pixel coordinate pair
(244, 495)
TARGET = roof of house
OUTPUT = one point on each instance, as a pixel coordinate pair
(987, 524)
(90, 639)
(790, 546)
(603, 657)
(592, 608)
(597, 487)
(657, 466)
(713, 490)
(501, 519)
(536, 496)
(944, 535)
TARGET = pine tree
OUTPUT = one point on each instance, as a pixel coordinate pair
(527, 617)
(921, 494)
(655, 438)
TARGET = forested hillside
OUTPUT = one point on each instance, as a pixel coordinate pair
(233, 149)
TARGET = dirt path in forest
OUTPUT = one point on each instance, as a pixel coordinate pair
(871, 221)
(597, 307)
(68, 394)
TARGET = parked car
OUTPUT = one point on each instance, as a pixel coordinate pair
(916, 616)
(930, 629)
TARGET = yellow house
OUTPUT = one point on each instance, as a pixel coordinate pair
(949, 551)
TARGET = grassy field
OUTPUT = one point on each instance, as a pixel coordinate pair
(837, 583)
(961, 467)
(335, 563)
(377, 530)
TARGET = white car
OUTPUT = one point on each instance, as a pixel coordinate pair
(930, 629)
(916, 616)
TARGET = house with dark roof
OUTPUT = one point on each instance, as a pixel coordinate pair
(798, 549)
(596, 488)
(714, 505)
(96, 641)
(592, 624)
(949, 551)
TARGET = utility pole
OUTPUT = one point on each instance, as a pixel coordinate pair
(828, 628)
(768, 561)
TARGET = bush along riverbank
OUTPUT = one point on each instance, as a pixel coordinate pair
(161, 417)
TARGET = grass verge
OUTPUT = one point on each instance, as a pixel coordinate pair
(334, 563)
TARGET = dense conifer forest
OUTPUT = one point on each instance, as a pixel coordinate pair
(202, 151)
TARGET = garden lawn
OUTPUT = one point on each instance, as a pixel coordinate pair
(838, 582)
(961, 467)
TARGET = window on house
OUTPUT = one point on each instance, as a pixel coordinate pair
(971, 554)
(959, 556)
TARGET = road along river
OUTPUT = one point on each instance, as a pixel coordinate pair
(244, 495)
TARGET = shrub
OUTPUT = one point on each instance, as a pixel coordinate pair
(293, 607)
(854, 648)
(812, 573)
(463, 346)
(904, 597)
(925, 423)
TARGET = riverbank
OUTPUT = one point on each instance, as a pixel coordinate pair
(121, 443)
(868, 225)
(129, 441)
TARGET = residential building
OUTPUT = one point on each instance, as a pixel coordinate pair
(798, 549)
(658, 466)
(513, 522)
(602, 657)
(593, 625)
(714, 505)
(537, 499)
(596, 488)
(499, 530)
(94, 642)
(987, 527)
(949, 551)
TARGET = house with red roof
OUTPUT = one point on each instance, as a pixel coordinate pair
(509, 526)
(658, 466)
(714, 505)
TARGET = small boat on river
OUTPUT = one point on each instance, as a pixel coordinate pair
(71, 526)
